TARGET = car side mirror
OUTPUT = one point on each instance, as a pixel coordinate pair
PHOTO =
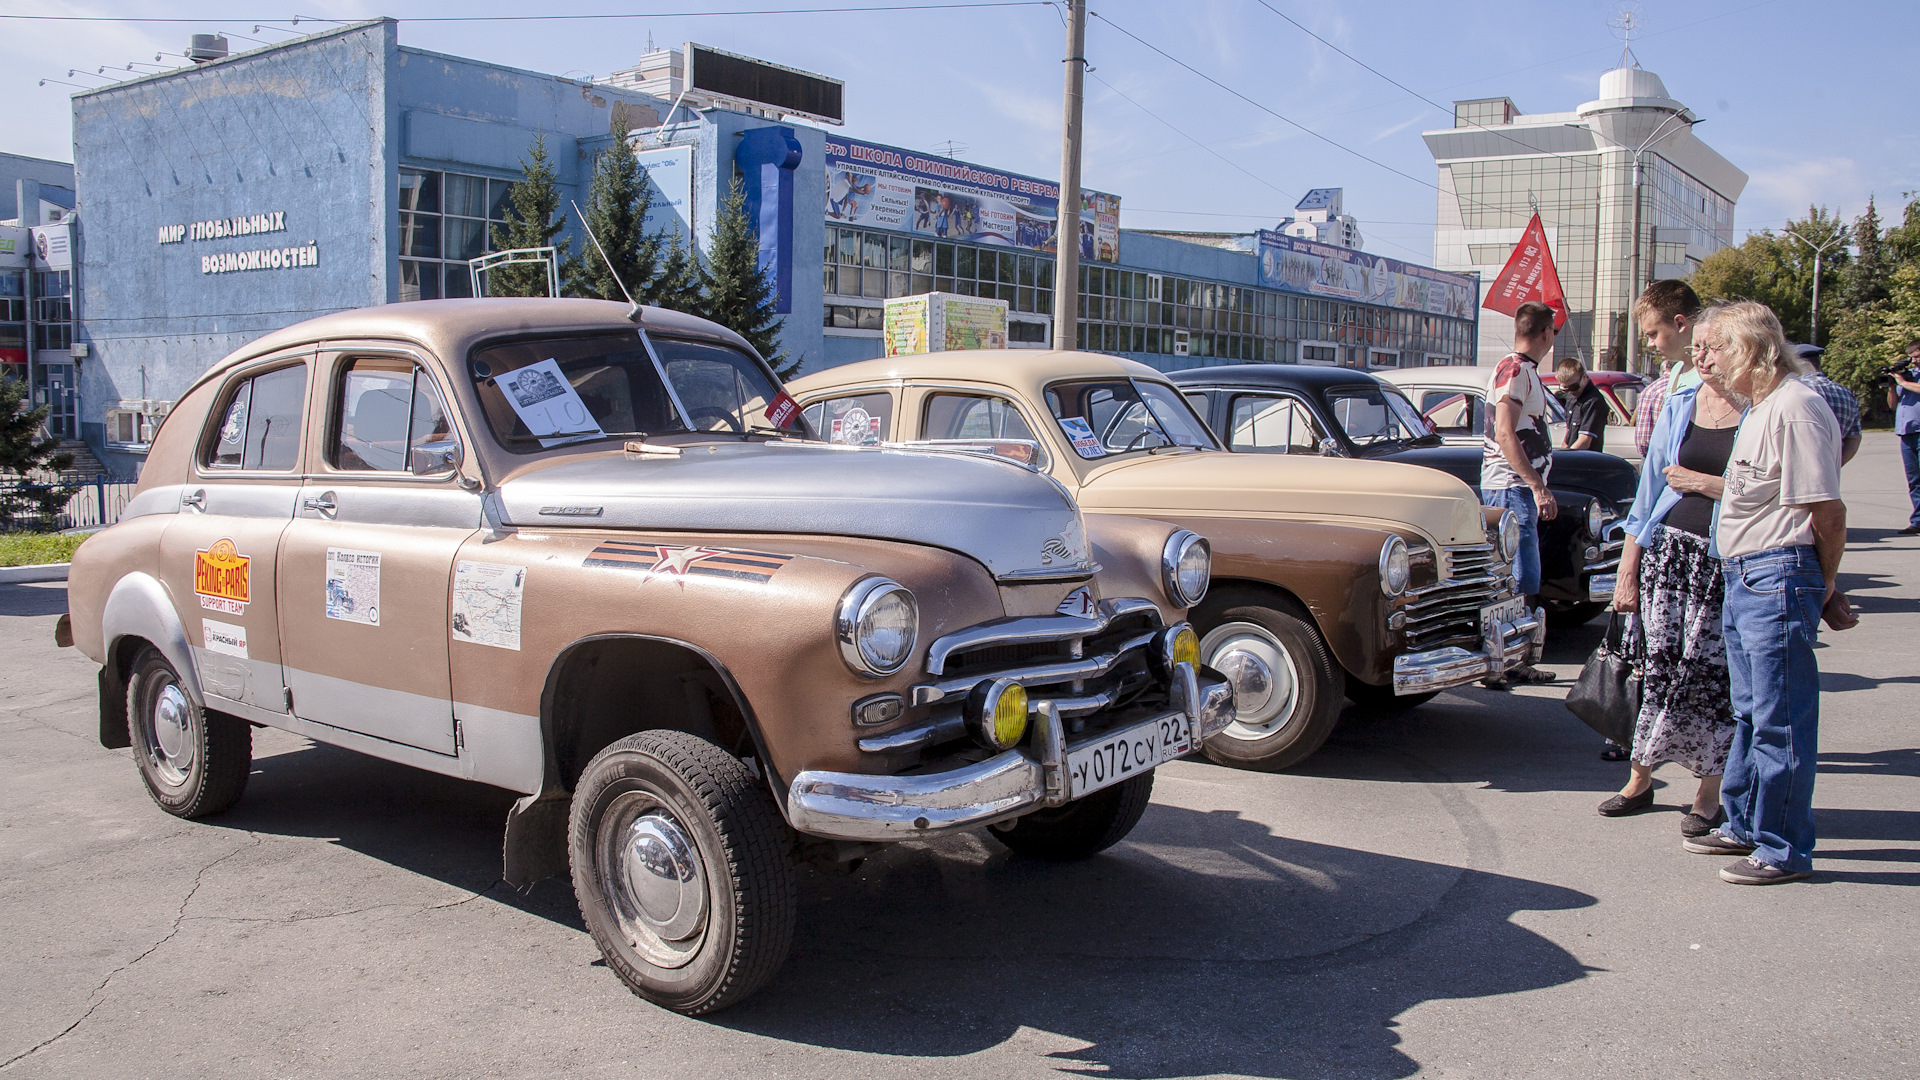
(433, 458)
(1330, 448)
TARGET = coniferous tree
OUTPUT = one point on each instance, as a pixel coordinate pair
(677, 286)
(26, 449)
(737, 294)
(533, 220)
(1868, 337)
(1867, 278)
(617, 203)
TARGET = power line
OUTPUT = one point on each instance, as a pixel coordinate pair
(844, 9)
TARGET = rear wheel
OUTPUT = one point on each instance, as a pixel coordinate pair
(194, 762)
(1082, 827)
(1287, 689)
(683, 871)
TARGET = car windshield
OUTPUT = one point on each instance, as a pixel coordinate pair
(1101, 417)
(1372, 415)
(546, 392)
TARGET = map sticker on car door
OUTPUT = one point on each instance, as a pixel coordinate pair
(353, 586)
(1085, 442)
(486, 603)
(547, 403)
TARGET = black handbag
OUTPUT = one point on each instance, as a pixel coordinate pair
(1606, 696)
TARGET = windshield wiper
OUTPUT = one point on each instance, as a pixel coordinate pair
(575, 435)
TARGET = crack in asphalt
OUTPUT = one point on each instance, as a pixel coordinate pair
(179, 919)
(291, 919)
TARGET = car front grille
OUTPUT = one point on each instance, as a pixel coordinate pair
(1447, 612)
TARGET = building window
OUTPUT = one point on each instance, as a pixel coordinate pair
(879, 266)
(53, 309)
(445, 218)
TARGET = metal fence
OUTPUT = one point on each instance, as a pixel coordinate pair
(94, 503)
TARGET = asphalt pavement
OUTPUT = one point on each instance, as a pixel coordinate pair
(1431, 895)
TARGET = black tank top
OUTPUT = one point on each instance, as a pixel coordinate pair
(1704, 450)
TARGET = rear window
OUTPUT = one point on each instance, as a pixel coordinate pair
(259, 424)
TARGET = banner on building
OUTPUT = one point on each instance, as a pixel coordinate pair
(944, 322)
(1290, 264)
(669, 172)
(885, 187)
(52, 247)
(1529, 275)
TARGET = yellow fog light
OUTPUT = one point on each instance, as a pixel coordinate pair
(997, 714)
(1186, 646)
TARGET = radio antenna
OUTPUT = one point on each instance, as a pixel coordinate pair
(633, 311)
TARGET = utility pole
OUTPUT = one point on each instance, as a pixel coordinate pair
(1066, 261)
(1819, 251)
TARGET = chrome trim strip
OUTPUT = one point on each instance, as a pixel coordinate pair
(1091, 667)
(1038, 629)
(1438, 669)
(1080, 572)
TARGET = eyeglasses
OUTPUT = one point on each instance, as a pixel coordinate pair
(1698, 351)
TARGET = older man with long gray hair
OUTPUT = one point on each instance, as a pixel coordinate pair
(1781, 530)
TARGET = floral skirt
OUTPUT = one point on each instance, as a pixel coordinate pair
(1686, 712)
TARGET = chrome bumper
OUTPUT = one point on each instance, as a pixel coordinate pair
(855, 806)
(1506, 645)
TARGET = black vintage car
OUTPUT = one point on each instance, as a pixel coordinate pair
(1327, 411)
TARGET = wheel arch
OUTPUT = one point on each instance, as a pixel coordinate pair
(139, 612)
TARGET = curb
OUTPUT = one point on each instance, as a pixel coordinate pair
(20, 575)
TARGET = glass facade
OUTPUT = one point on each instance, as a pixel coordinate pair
(13, 318)
(52, 310)
(862, 268)
(444, 221)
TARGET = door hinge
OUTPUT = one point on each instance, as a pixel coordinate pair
(459, 736)
(287, 692)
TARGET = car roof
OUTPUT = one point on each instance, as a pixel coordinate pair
(1031, 370)
(1298, 376)
(449, 328)
(1617, 378)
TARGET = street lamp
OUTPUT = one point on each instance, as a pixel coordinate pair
(1839, 237)
(1639, 182)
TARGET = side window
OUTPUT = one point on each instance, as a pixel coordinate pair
(1200, 405)
(390, 418)
(1266, 425)
(1454, 413)
(860, 420)
(260, 423)
(974, 416)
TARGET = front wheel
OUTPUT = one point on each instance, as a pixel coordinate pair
(194, 762)
(683, 871)
(1083, 827)
(1287, 689)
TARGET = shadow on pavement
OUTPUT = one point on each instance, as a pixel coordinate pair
(33, 599)
(1209, 946)
(1866, 825)
(1872, 536)
(1903, 762)
(1862, 590)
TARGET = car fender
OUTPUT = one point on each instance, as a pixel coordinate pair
(140, 607)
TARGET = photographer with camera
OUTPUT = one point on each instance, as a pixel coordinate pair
(1903, 397)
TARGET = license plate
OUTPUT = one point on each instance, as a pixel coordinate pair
(1600, 586)
(1124, 754)
(1505, 611)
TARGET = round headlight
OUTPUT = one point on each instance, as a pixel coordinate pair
(877, 626)
(1596, 517)
(1509, 535)
(1396, 569)
(1186, 567)
(997, 713)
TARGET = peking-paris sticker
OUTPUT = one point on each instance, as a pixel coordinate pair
(222, 577)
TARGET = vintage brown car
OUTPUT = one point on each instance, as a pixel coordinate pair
(1333, 578)
(533, 544)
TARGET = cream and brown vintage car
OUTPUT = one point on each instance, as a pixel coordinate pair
(536, 545)
(1332, 578)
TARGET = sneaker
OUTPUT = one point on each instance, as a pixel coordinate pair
(1751, 871)
(1528, 675)
(1911, 530)
(1716, 843)
(1693, 825)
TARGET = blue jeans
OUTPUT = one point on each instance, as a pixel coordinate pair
(1526, 567)
(1771, 618)
(1910, 457)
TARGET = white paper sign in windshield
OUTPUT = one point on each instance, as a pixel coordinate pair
(548, 404)
(1085, 442)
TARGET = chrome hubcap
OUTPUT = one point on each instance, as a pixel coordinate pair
(653, 875)
(172, 742)
(1266, 683)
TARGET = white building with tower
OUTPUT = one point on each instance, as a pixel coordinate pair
(1630, 155)
(1320, 218)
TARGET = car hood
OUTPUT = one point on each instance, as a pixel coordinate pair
(1017, 523)
(1372, 494)
(1587, 472)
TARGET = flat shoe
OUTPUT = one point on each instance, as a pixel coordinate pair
(1692, 824)
(1613, 751)
(1621, 805)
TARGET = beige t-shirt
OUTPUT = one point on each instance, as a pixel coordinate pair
(1785, 458)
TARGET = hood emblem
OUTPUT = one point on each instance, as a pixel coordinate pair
(1057, 548)
(571, 511)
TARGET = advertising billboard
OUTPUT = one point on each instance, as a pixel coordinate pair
(1302, 266)
(944, 322)
(669, 173)
(885, 187)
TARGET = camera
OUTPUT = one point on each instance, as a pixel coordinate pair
(1902, 368)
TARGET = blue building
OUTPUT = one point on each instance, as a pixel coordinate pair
(227, 199)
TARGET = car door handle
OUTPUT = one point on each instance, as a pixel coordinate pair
(322, 502)
(196, 499)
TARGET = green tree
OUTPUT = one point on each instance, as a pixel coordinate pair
(26, 450)
(533, 220)
(1869, 339)
(678, 283)
(1777, 271)
(618, 199)
(737, 295)
(1867, 278)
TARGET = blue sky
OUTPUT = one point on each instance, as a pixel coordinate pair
(1816, 102)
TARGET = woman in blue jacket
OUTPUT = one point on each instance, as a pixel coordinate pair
(1670, 574)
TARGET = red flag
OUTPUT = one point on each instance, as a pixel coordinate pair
(1529, 275)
